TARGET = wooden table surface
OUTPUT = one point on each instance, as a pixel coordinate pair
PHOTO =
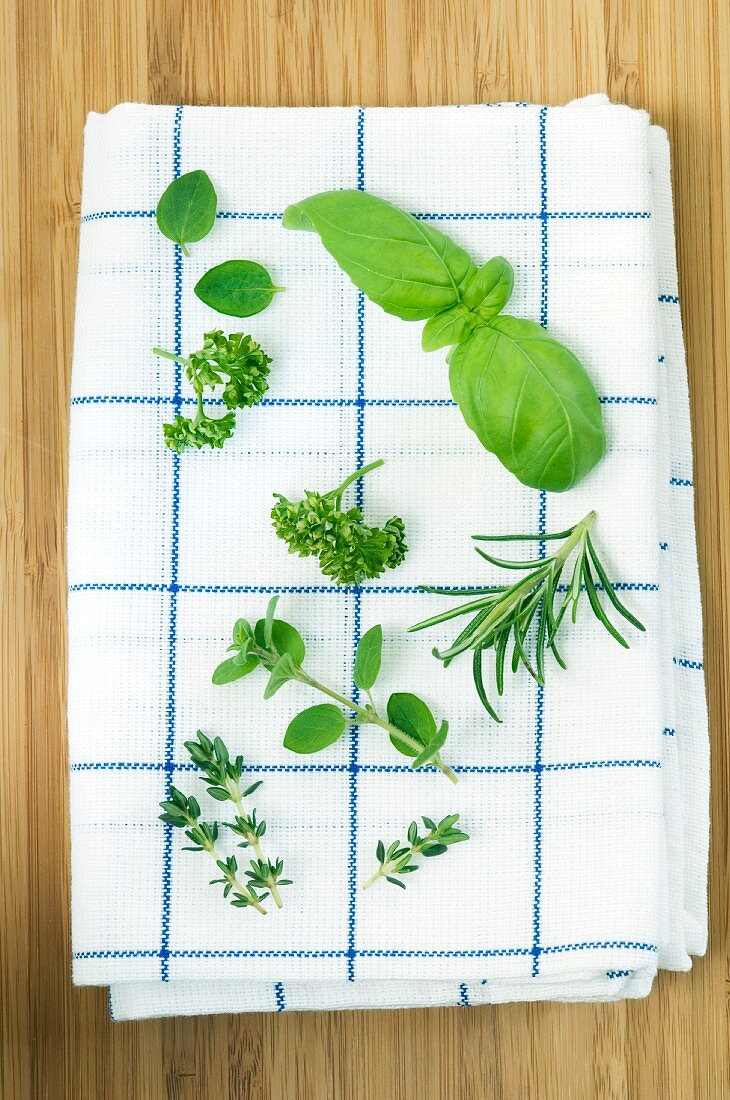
(63, 59)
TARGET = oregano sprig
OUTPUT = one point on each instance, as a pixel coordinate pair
(236, 362)
(277, 647)
(348, 549)
(398, 858)
(503, 615)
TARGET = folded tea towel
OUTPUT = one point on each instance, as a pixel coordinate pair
(588, 807)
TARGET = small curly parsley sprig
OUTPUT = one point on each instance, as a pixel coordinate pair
(224, 776)
(235, 362)
(398, 858)
(348, 549)
(278, 648)
(504, 612)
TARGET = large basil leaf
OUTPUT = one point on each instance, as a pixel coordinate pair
(404, 265)
(529, 400)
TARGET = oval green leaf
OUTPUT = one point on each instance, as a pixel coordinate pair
(368, 658)
(530, 402)
(314, 729)
(231, 670)
(187, 208)
(238, 288)
(410, 714)
(450, 326)
(402, 264)
(490, 288)
(284, 639)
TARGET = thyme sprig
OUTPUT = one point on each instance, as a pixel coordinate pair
(236, 362)
(224, 775)
(277, 647)
(348, 549)
(182, 812)
(504, 614)
(398, 858)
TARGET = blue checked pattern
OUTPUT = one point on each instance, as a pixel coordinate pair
(354, 767)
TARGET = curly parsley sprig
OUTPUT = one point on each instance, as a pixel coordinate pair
(348, 549)
(397, 859)
(224, 776)
(278, 648)
(236, 362)
(504, 614)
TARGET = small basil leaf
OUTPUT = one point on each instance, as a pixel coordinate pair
(368, 657)
(450, 326)
(432, 747)
(314, 729)
(282, 672)
(529, 401)
(410, 714)
(186, 210)
(238, 288)
(489, 289)
(230, 670)
(404, 265)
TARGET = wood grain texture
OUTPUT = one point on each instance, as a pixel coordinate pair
(64, 58)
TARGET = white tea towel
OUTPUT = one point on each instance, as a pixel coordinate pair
(588, 807)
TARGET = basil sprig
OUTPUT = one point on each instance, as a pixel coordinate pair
(526, 396)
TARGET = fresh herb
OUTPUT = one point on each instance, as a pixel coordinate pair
(186, 210)
(235, 362)
(527, 397)
(503, 614)
(347, 548)
(398, 858)
(278, 648)
(224, 776)
(239, 288)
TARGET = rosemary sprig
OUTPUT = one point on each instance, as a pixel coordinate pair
(277, 647)
(397, 859)
(504, 614)
(224, 775)
(184, 813)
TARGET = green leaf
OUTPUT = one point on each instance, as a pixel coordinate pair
(395, 881)
(368, 658)
(529, 401)
(432, 748)
(231, 670)
(282, 672)
(450, 326)
(218, 793)
(489, 289)
(410, 714)
(404, 265)
(186, 210)
(284, 639)
(314, 729)
(435, 850)
(379, 851)
(239, 288)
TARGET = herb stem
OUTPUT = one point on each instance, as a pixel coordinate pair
(215, 855)
(253, 840)
(372, 718)
(392, 865)
(338, 493)
(170, 355)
